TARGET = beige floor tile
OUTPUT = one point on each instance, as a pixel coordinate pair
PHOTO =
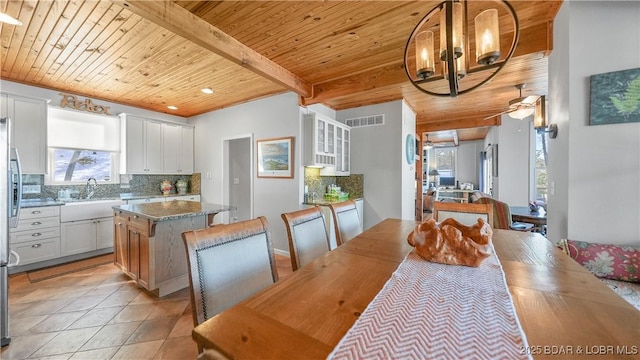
(97, 354)
(68, 341)
(23, 325)
(149, 330)
(139, 351)
(84, 303)
(132, 313)
(110, 335)
(59, 321)
(48, 307)
(96, 317)
(119, 298)
(178, 348)
(168, 308)
(54, 357)
(183, 327)
(23, 346)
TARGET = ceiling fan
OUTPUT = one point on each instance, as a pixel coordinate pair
(428, 144)
(521, 107)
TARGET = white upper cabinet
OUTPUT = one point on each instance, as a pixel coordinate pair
(154, 147)
(29, 130)
(343, 150)
(178, 149)
(141, 151)
(319, 140)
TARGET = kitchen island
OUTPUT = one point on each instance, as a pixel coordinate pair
(148, 242)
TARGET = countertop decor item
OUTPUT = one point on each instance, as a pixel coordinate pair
(181, 187)
(166, 187)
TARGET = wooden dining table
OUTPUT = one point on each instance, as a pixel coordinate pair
(561, 306)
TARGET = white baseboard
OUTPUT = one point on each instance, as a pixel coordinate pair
(281, 252)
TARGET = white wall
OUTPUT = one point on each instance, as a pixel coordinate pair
(55, 98)
(595, 170)
(272, 117)
(514, 160)
(468, 162)
(378, 153)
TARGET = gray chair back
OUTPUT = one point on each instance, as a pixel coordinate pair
(227, 264)
(346, 221)
(307, 233)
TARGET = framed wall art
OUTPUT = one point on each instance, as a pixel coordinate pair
(615, 97)
(275, 158)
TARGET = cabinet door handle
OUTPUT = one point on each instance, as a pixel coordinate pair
(35, 246)
(35, 212)
(135, 216)
(36, 223)
(119, 224)
(36, 234)
(134, 232)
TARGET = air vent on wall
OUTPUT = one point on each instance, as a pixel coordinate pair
(365, 121)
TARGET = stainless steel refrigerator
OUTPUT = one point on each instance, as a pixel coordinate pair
(10, 194)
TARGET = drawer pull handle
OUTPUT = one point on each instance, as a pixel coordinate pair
(134, 232)
(135, 216)
(35, 246)
(36, 223)
(35, 212)
(36, 234)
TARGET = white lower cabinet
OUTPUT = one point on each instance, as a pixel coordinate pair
(86, 235)
(37, 236)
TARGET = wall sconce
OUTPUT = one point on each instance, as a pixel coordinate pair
(540, 119)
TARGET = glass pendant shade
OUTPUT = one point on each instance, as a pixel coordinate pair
(8, 19)
(487, 37)
(424, 54)
(521, 113)
(540, 118)
(456, 29)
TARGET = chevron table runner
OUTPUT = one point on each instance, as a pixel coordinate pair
(436, 311)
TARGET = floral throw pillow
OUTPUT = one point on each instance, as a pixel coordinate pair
(605, 261)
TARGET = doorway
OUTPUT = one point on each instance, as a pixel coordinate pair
(238, 183)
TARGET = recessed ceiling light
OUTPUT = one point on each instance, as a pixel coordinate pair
(172, 107)
(207, 90)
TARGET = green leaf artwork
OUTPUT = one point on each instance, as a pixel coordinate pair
(615, 97)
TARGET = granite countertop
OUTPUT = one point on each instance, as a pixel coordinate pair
(323, 202)
(29, 203)
(170, 210)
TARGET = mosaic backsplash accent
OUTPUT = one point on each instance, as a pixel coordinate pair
(353, 184)
(138, 185)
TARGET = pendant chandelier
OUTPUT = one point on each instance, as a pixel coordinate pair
(440, 72)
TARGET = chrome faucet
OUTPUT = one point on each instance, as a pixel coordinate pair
(91, 188)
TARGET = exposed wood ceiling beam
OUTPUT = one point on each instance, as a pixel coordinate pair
(182, 22)
(535, 39)
(458, 124)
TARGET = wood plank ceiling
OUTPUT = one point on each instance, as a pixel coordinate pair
(344, 54)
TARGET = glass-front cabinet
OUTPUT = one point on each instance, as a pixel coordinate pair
(326, 144)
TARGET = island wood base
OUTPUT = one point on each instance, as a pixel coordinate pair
(152, 252)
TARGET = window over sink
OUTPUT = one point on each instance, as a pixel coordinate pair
(72, 166)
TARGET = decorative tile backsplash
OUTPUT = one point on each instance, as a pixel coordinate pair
(353, 184)
(133, 184)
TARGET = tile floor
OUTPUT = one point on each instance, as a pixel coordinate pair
(99, 313)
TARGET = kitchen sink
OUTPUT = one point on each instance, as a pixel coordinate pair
(88, 209)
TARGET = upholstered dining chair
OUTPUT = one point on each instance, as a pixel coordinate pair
(465, 213)
(307, 235)
(346, 221)
(502, 215)
(227, 264)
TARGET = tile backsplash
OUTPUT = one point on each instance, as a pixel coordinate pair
(353, 184)
(134, 184)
